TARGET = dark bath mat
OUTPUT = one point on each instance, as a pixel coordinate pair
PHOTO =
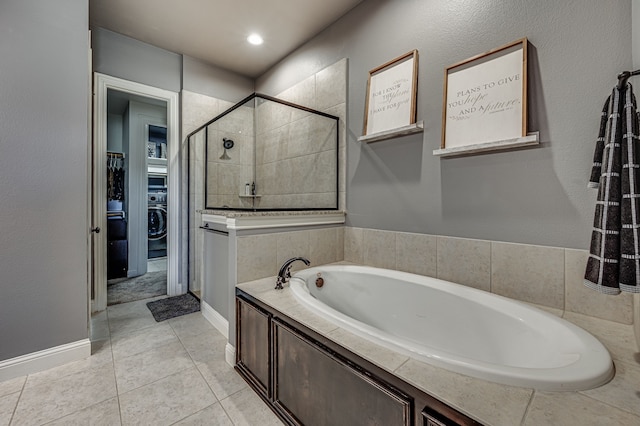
(175, 306)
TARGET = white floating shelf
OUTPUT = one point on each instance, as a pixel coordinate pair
(532, 138)
(388, 134)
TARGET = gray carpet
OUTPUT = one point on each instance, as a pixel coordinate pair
(151, 284)
(175, 306)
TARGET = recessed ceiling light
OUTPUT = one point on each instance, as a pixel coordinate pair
(255, 39)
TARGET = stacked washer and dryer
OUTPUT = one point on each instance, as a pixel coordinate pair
(157, 224)
(157, 215)
(157, 192)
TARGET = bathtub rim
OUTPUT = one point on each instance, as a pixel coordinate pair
(545, 379)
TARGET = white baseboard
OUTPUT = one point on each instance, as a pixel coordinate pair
(216, 320)
(45, 359)
(230, 354)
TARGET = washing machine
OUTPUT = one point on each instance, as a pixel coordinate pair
(157, 223)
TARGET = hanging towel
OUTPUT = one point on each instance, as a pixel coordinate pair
(614, 260)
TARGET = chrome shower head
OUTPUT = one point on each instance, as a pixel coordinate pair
(226, 144)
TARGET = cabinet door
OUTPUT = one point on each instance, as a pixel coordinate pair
(253, 356)
(321, 389)
(117, 259)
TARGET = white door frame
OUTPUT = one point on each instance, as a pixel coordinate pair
(102, 83)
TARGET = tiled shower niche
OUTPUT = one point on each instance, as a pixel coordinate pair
(267, 154)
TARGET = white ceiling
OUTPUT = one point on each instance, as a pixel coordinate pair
(215, 31)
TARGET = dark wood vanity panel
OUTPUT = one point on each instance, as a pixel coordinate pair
(253, 356)
(307, 379)
(321, 389)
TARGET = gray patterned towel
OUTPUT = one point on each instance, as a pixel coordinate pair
(614, 260)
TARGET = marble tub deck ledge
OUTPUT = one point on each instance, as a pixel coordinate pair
(617, 402)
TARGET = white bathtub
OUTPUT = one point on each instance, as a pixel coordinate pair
(458, 328)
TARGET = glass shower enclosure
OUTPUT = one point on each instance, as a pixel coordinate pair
(262, 154)
(266, 154)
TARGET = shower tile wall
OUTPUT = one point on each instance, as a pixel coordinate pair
(546, 276)
(284, 162)
(197, 109)
(228, 174)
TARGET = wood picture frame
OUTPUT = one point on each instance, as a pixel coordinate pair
(485, 97)
(391, 94)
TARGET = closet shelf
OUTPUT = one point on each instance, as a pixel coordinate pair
(532, 138)
(388, 134)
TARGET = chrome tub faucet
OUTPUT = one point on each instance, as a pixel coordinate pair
(285, 271)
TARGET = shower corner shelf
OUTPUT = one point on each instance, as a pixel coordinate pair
(388, 134)
(249, 196)
(532, 138)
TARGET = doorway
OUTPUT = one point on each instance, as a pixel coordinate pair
(135, 187)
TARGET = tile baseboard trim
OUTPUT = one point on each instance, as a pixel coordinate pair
(230, 354)
(45, 359)
(216, 320)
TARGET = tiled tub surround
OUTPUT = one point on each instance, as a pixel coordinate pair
(260, 256)
(615, 403)
(550, 277)
(456, 327)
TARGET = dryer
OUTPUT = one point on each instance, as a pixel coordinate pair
(157, 223)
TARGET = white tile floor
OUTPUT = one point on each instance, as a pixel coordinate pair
(141, 372)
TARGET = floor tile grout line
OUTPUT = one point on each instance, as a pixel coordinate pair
(218, 400)
(229, 396)
(77, 411)
(156, 381)
(527, 408)
(15, 409)
(150, 349)
(118, 394)
(115, 378)
(609, 404)
(199, 372)
(85, 370)
(193, 414)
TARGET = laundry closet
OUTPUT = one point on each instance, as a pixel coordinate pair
(136, 184)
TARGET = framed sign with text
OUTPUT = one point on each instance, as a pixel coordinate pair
(485, 97)
(391, 94)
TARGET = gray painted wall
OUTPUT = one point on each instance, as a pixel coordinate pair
(140, 114)
(43, 174)
(536, 195)
(124, 57)
(200, 77)
(635, 33)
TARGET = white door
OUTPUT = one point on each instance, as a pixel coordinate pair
(102, 83)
